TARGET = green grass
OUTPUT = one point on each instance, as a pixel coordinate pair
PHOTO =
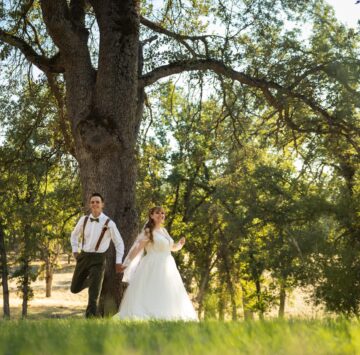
(71, 336)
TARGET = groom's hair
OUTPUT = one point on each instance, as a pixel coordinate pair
(97, 194)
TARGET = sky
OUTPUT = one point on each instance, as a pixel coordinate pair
(346, 11)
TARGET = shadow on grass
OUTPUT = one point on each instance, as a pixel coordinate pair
(38, 313)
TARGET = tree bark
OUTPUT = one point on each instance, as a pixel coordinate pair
(230, 288)
(25, 261)
(282, 299)
(221, 302)
(49, 272)
(232, 299)
(204, 283)
(4, 274)
(258, 295)
(25, 287)
(226, 257)
(112, 174)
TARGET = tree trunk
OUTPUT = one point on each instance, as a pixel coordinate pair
(25, 287)
(282, 299)
(221, 308)
(113, 175)
(4, 274)
(49, 271)
(258, 294)
(232, 292)
(233, 303)
(226, 257)
(104, 107)
(221, 302)
(248, 313)
(205, 278)
(204, 282)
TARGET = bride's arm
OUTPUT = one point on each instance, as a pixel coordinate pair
(135, 250)
(139, 246)
(177, 246)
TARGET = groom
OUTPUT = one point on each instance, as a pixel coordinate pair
(95, 231)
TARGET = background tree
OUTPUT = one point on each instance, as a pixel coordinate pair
(38, 193)
(261, 210)
(4, 274)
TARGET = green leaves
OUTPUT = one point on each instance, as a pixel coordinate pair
(39, 190)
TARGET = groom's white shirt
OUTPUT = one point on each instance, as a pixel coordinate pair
(92, 234)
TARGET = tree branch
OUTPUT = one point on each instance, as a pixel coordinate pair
(25, 8)
(157, 28)
(63, 119)
(203, 65)
(36, 39)
(221, 69)
(67, 32)
(303, 76)
(180, 38)
(45, 64)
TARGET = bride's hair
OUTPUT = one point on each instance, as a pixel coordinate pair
(150, 224)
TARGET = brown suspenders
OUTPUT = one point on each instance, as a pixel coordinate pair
(83, 231)
(105, 227)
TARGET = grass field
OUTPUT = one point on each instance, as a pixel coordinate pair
(80, 336)
(56, 326)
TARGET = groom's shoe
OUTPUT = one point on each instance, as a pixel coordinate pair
(91, 311)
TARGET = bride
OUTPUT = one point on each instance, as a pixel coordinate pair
(155, 290)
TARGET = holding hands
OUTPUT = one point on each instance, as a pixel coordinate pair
(119, 268)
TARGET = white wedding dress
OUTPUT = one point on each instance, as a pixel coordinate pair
(155, 290)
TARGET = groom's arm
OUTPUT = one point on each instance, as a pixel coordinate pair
(75, 235)
(118, 242)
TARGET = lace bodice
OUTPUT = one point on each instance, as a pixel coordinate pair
(163, 243)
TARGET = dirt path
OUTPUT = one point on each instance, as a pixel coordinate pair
(62, 302)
